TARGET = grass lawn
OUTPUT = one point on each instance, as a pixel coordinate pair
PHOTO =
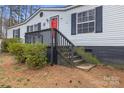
(18, 75)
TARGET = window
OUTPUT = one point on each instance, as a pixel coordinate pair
(91, 26)
(37, 27)
(80, 28)
(80, 19)
(16, 33)
(85, 16)
(30, 28)
(85, 27)
(86, 21)
(91, 15)
(27, 28)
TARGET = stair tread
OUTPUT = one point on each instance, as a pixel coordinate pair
(86, 66)
(77, 60)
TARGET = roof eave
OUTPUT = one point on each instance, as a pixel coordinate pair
(46, 9)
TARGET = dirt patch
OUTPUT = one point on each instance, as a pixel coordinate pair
(18, 75)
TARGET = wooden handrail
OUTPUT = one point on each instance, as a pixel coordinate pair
(65, 44)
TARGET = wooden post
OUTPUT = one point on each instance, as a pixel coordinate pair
(51, 57)
(55, 46)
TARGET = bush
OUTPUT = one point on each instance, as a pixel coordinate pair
(18, 50)
(87, 56)
(36, 55)
(5, 43)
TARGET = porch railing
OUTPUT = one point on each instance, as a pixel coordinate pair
(64, 47)
(59, 43)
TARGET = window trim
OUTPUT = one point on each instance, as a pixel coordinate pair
(86, 21)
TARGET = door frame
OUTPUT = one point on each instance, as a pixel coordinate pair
(56, 16)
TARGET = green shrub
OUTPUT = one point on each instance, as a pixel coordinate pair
(6, 42)
(87, 56)
(36, 55)
(17, 49)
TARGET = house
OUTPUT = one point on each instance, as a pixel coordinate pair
(100, 29)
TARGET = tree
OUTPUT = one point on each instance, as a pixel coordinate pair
(1, 19)
(11, 15)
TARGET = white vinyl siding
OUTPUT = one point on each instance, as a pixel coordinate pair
(113, 29)
(113, 26)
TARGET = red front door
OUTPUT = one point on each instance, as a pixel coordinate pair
(54, 23)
